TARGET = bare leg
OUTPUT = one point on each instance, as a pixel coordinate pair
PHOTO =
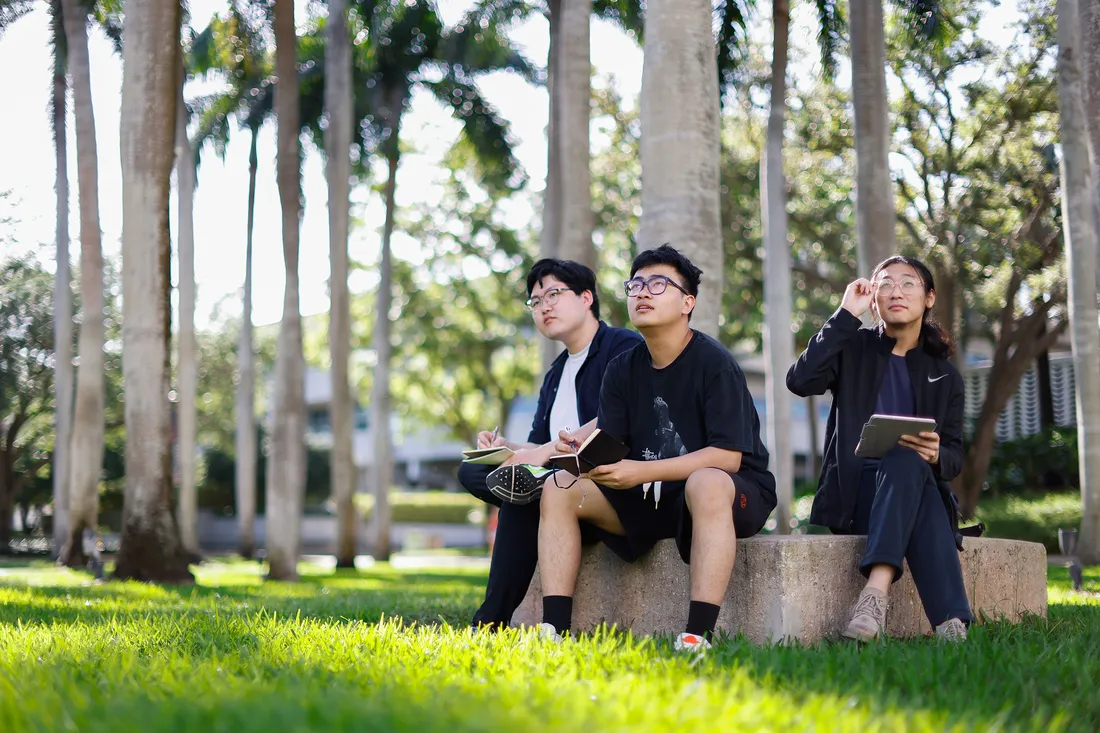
(880, 578)
(560, 532)
(710, 496)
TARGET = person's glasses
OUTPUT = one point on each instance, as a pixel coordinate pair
(656, 285)
(908, 286)
(548, 298)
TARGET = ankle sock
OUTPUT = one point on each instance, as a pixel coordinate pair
(558, 612)
(702, 617)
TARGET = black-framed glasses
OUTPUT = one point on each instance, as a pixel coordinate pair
(655, 284)
(549, 298)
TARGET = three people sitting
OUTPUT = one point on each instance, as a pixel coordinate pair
(696, 470)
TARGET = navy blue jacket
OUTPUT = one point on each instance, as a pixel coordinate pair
(608, 343)
(850, 361)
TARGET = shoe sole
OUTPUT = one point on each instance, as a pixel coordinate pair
(514, 484)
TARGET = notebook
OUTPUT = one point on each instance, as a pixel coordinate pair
(487, 456)
(882, 432)
(599, 449)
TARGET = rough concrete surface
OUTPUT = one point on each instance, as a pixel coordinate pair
(794, 588)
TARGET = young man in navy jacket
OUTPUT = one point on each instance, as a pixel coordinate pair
(565, 307)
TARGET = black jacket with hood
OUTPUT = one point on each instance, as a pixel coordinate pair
(849, 361)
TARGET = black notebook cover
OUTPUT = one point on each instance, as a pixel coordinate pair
(600, 449)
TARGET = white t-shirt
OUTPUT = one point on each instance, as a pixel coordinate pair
(563, 413)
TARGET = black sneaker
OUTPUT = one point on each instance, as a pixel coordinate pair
(517, 484)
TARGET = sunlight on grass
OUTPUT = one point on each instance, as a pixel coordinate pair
(389, 650)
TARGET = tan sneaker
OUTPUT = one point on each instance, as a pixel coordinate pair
(952, 630)
(868, 617)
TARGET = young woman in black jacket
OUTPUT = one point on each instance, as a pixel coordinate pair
(902, 502)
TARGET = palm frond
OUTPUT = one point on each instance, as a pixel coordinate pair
(627, 14)
(925, 20)
(108, 15)
(13, 10)
(730, 17)
(483, 127)
(479, 49)
(830, 31)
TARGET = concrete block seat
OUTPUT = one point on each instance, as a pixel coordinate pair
(793, 588)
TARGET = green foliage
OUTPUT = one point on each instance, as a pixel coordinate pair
(1032, 516)
(387, 650)
(1047, 459)
(427, 507)
(218, 481)
(465, 348)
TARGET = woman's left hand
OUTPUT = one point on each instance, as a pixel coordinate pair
(926, 444)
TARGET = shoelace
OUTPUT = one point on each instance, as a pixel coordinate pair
(871, 604)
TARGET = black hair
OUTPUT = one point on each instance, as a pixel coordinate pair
(666, 254)
(937, 341)
(573, 275)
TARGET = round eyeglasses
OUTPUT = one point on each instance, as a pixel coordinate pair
(908, 287)
(656, 285)
(548, 298)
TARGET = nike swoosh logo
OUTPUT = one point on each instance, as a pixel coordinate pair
(937, 378)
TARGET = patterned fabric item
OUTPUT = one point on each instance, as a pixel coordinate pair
(517, 484)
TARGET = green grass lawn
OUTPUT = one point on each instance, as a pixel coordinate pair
(386, 650)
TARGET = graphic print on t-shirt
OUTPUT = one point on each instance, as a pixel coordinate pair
(669, 442)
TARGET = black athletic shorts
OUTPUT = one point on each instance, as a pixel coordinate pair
(646, 524)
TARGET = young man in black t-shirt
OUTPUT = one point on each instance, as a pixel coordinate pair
(696, 470)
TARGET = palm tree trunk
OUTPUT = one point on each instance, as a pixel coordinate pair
(63, 313)
(380, 388)
(188, 356)
(150, 546)
(875, 216)
(551, 201)
(1090, 41)
(680, 144)
(86, 457)
(246, 387)
(778, 341)
(286, 467)
(571, 98)
(338, 106)
(1081, 253)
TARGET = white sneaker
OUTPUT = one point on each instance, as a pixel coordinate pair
(686, 642)
(549, 633)
(952, 630)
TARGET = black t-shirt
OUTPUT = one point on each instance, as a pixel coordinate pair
(700, 400)
(895, 396)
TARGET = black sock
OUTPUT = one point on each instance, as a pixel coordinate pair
(702, 618)
(558, 612)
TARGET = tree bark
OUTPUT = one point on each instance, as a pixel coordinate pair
(571, 100)
(246, 388)
(380, 389)
(551, 202)
(150, 546)
(188, 356)
(1090, 44)
(778, 340)
(86, 456)
(680, 144)
(63, 316)
(338, 136)
(875, 215)
(286, 474)
(1081, 253)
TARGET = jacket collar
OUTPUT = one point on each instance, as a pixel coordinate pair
(886, 343)
(593, 347)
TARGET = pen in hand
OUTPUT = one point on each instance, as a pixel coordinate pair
(494, 438)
